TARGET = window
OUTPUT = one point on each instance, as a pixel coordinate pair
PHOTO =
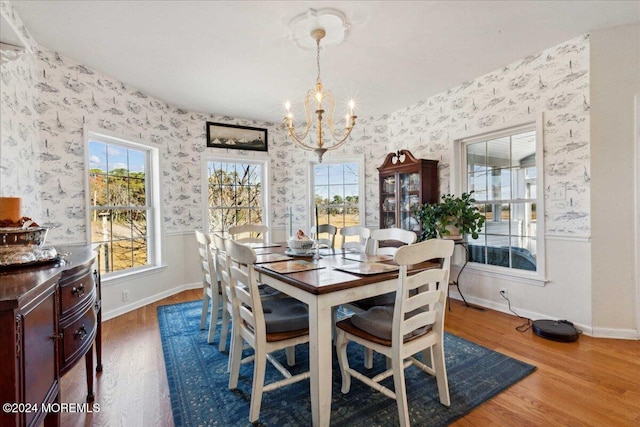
(123, 192)
(501, 168)
(337, 190)
(235, 194)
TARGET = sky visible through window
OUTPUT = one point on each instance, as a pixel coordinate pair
(108, 157)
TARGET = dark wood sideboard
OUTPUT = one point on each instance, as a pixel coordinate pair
(50, 316)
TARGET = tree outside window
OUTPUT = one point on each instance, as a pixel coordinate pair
(234, 194)
(119, 204)
(336, 190)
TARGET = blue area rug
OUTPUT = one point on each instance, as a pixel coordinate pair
(197, 375)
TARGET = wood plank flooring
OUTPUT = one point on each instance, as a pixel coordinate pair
(590, 382)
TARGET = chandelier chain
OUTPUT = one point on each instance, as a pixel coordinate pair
(318, 60)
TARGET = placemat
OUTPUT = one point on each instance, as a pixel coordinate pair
(367, 258)
(367, 268)
(269, 257)
(294, 266)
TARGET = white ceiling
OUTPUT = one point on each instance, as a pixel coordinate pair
(234, 58)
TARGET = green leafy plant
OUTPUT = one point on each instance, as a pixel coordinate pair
(459, 212)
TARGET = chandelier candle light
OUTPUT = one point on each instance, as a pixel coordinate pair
(322, 99)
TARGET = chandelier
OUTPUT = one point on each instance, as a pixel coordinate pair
(319, 101)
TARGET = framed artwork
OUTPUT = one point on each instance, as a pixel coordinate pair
(222, 135)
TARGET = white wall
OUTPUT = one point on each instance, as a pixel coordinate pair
(615, 81)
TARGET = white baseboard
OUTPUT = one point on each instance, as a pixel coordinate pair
(151, 299)
(623, 334)
(627, 334)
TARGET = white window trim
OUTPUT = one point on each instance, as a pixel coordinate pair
(361, 185)
(155, 236)
(456, 184)
(263, 161)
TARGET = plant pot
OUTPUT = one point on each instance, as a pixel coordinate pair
(454, 233)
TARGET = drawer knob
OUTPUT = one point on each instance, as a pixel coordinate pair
(57, 336)
(80, 333)
(79, 291)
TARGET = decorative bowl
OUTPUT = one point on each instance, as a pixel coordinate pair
(300, 246)
(23, 246)
(17, 236)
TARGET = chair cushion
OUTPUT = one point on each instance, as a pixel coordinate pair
(267, 291)
(285, 315)
(367, 303)
(378, 320)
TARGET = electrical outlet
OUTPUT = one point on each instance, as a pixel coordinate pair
(504, 292)
(125, 296)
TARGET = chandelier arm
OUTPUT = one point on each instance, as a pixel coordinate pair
(340, 141)
(341, 138)
(300, 140)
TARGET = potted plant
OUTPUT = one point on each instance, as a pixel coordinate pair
(451, 218)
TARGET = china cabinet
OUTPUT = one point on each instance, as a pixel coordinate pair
(405, 183)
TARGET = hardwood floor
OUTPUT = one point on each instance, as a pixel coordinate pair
(590, 382)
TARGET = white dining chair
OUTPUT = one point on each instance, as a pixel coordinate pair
(415, 324)
(249, 233)
(328, 231)
(360, 244)
(267, 326)
(396, 236)
(211, 295)
(220, 258)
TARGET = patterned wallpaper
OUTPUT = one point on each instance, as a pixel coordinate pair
(49, 99)
(555, 82)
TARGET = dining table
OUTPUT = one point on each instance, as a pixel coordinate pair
(336, 278)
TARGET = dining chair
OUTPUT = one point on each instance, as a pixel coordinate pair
(325, 229)
(360, 245)
(210, 287)
(222, 267)
(249, 233)
(220, 258)
(394, 236)
(267, 326)
(414, 324)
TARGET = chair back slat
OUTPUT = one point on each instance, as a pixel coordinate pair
(418, 321)
(421, 299)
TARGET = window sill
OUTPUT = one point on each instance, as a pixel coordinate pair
(114, 278)
(529, 278)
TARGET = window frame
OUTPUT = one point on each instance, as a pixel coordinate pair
(264, 164)
(361, 185)
(153, 191)
(459, 184)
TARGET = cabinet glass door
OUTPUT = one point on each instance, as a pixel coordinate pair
(409, 199)
(389, 202)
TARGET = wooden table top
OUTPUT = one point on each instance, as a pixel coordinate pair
(327, 278)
